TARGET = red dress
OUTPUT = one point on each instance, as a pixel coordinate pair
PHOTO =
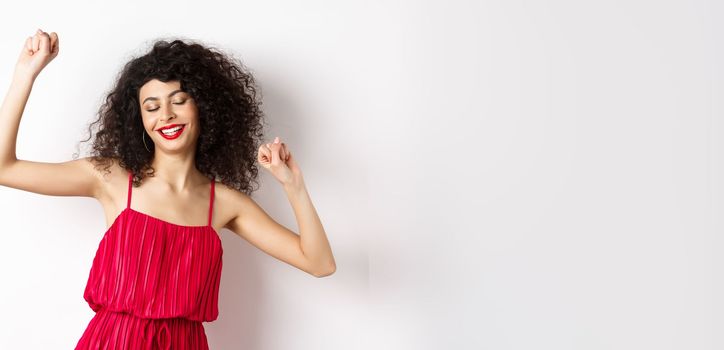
(153, 283)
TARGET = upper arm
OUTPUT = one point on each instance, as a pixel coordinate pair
(258, 228)
(72, 178)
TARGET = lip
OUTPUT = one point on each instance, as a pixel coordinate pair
(168, 126)
(167, 137)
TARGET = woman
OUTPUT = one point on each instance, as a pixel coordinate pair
(178, 119)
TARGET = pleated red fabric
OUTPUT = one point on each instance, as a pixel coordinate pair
(153, 283)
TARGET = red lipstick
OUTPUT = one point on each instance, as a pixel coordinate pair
(173, 135)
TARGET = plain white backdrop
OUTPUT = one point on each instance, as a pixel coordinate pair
(491, 174)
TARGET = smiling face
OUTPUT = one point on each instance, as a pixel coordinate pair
(164, 105)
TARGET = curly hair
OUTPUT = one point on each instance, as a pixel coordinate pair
(228, 102)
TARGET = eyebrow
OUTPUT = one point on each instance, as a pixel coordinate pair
(156, 98)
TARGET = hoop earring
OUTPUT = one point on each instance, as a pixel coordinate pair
(143, 137)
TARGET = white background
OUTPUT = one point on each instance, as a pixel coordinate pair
(491, 174)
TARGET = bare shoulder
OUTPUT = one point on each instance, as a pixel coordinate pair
(113, 178)
(229, 203)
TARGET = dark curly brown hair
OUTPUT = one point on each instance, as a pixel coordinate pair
(228, 101)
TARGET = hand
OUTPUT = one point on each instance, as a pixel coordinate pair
(38, 51)
(276, 158)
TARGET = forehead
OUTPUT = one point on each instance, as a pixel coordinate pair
(157, 88)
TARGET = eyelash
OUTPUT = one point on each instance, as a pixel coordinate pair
(180, 103)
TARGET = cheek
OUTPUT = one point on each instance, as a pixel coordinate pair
(192, 111)
(190, 106)
(146, 121)
(192, 114)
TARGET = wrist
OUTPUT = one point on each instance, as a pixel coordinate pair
(295, 185)
(23, 77)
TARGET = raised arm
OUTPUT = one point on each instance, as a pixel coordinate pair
(309, 250)
(72, 178)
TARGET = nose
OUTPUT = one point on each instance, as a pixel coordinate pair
(167, 112)
(169, 115)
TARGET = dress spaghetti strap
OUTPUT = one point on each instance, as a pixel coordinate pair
(211, 201)
(130, 182)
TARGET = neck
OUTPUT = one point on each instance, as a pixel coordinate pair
(178, 171)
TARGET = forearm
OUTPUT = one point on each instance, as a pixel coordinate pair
(10, 113)
(314, 243)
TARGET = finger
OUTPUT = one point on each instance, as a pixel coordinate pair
(283, 152)
(29, 44)
(36, 42)
(54, 43)
(264, 154)
(276, 158)
(284, 156)
(45, 42)
(280, 146)
(264, 159)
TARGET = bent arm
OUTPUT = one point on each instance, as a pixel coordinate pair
(72, 178)
(308, 252)
(313, 239)
(10, 113)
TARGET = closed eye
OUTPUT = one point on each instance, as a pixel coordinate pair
(176, 103)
